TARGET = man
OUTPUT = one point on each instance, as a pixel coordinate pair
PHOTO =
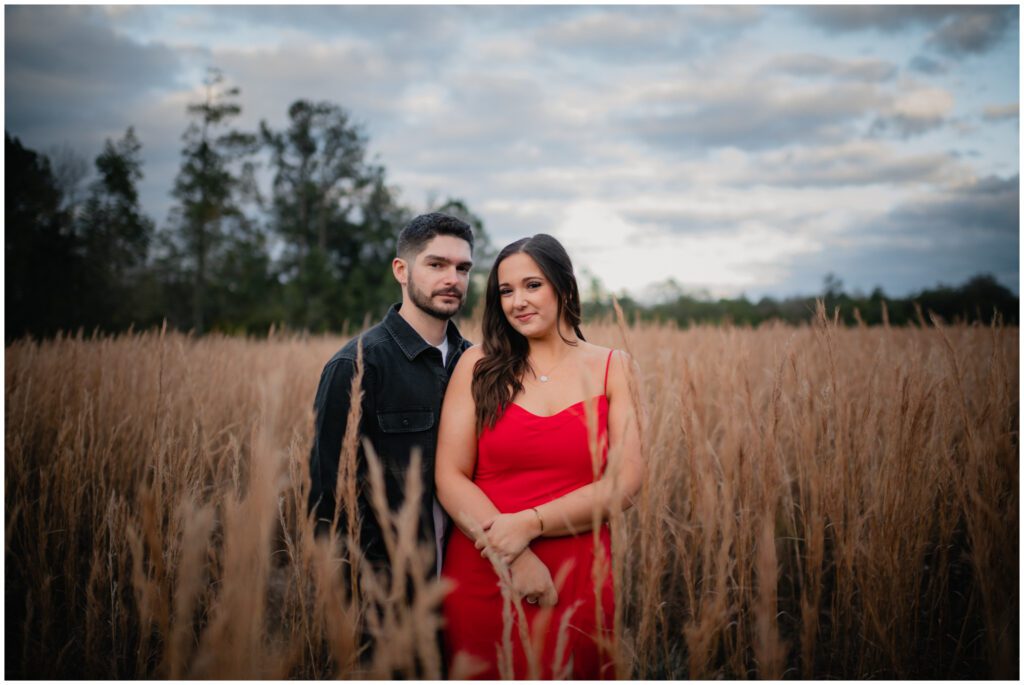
(407, 359)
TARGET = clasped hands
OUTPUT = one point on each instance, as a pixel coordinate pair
(507, 537)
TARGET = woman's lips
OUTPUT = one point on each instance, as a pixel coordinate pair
(525, 317)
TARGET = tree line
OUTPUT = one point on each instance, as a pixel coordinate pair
(980, 299)
(310, 253)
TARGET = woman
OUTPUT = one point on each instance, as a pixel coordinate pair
(516, 470)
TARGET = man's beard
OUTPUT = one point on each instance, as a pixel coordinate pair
(425, 302)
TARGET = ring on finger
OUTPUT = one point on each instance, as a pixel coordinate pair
(531, 600)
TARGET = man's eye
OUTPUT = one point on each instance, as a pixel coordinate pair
(464, 269)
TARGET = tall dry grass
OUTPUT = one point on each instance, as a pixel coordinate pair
(820, 502)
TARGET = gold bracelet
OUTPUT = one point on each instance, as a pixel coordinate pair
(539, 518)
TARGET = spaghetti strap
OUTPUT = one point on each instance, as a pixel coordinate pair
(607, 364)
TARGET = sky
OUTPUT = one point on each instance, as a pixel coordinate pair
(733, 149)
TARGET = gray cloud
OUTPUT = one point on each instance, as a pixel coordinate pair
(988, 208)
(926, 65)
(973, 31)
(936, 239)
(650, 33)
(859, 164)
(365, 81)
(900, 270)
(812, 65)
(416, 23)
(955, 30)
(1002, 112)
(69, 77)
(903, 126)
(886, 18)
(757, 118)
(47, 40)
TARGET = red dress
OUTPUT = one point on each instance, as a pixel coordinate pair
(525, 461)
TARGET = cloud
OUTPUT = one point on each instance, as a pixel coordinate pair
(926, 65)
(69, 77)
(800, 98)
(900, 270)
(692, 217)
(886, 18)
(945, 236)
(973, 31)
(988, 208)
(915, 111)
(854, 163)
(48, 40)
(821, 66)
(365, 80)
(1002, 112)
(646, 34)
(755, 116)
(954, 31)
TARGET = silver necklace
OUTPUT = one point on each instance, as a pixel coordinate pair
(545, 377)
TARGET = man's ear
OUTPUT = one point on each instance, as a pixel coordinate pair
(401, 271)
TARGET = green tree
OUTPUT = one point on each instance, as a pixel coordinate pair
(484, 251)
(209, 190)
(42, 265)
(114, 237)
(336, 216)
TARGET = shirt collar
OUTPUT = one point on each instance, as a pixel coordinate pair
(411, 342)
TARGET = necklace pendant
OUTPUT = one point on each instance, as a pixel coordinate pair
(544, 379)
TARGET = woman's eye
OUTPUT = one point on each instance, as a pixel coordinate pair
(504, 292)
(533, 286)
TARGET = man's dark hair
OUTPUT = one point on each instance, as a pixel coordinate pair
(424, 228)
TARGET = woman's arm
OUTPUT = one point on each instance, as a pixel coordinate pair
(455, 462)
(572, 513)
(464, 501)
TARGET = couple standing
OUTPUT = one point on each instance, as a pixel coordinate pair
(515, 433)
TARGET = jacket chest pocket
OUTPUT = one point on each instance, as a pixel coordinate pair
(402, 422)
(400, 432)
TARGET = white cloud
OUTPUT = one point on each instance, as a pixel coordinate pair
(925, 105)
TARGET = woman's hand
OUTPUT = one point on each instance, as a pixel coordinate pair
(508, 535)
(531, 580)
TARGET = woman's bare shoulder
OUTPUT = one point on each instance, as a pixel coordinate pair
(595, 351)
(463, 371)
(600, 354)
(472, 354)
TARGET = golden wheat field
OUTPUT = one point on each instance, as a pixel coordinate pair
(820, 502)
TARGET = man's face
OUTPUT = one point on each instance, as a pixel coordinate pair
(438, 278)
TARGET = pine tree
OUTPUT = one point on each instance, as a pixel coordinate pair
(208, 189)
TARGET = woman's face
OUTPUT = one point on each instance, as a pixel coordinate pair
(528, 299)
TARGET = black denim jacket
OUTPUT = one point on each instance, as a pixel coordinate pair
(403, 386)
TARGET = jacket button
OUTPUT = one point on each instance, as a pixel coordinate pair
(405, 422)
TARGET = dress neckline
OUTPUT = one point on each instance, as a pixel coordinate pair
(562, 411)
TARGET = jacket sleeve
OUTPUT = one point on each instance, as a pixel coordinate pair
(333, 398)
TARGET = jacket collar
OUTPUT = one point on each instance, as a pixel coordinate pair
(411, 342)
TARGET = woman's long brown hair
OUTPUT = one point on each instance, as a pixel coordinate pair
(498, 376)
